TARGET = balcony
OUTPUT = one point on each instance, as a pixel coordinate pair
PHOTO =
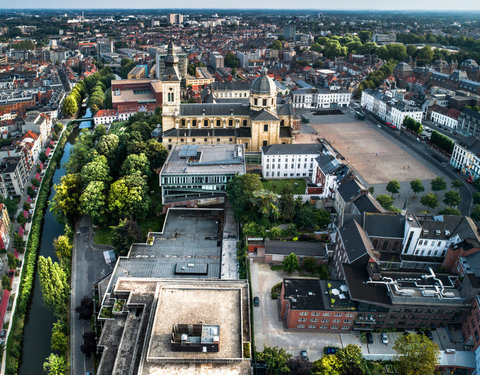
(365, 319)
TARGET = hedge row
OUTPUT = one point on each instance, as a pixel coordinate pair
(443, 142)
(15, 338)
(413, 125)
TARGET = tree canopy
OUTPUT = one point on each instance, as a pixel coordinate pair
(416, 354)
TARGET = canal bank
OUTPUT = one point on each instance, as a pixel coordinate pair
(29, 335)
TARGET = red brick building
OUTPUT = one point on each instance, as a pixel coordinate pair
(141, 94)
(471, 325)
(316, 304)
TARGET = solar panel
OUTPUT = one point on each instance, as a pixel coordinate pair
(192, 150)
(183, 151)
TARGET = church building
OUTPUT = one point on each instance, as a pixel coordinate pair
(262, 122)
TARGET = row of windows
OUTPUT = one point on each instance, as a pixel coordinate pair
(286, 158)
(322, 326)
(337, 315)
(426, 242)
(267, 174)
(195, 179)
(428, 253)
(292, 167)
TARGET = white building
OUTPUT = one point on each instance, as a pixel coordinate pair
(327, 173)
(320, 98)
(39, 123)
(105, 116)
(393, 110)
(465, 157)
(445, 117)
(287, 161)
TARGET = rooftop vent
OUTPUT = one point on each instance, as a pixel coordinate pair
(438, 232)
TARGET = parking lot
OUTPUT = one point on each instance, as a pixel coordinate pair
(269, 330)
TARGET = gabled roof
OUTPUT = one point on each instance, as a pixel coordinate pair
(213, 109)
(302, 248)
(263, 115)
(293, 149)
(30, 134)
(349, 189)
(388, 225)
(355, 241)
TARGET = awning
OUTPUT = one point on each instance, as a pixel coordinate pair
(37, 176)
(21, 231)
(25, 213)
(47, 151)
(29, 200)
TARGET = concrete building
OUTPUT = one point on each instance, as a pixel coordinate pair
(200, 171)
(260, 123)
(320, 98)
(137, 72)
(160, 56)
(13, 175)
(104, 46)
(469, 122)
(289, 160)
(175, 19)
(38, 123)
(384, 38)
(216, 60)
(289, 32)
(231, 91)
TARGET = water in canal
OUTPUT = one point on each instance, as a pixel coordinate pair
(39, 323)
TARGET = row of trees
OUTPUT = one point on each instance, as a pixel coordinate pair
(413, 125)
(88, 85)
(416, 354)
(443, 142)
(430, 200)
(376, 78)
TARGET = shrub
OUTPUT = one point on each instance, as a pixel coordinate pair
(276, 289)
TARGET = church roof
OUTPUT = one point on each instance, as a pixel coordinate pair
(263, 84)
(263, 115)
(214, 109)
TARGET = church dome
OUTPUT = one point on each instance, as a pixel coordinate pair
(263, 84)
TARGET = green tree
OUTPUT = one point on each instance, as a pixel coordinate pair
(287, 204)
(393, 187)
(156, 153)
(276, 44)
(309, 263)
(107, 145)
(70, 106)
(12, 261)
(134, 163)
(253, 229)
(97, 170)
(351, 360)
(476, 197)
(54, 285)
(55, 365)
(66, 201)
(18, 243)
(62, 247)
(327, 365)
(417, 187)
(430, 200)
(290, 263)
(231, 60)
(275, 359)
(438, 184)
(457, 184)
(59, 340)
(452, 198)
(239, 192)
(125, 234)
(425, 55)
(385, 201)
(416, 354)
(371, 189)
(365, 36)
(93, 202)
(6, 282)
(127, 197)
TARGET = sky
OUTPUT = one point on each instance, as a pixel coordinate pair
(458, 5)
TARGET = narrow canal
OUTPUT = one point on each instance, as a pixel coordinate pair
(39, 323)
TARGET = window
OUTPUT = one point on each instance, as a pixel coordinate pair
(302, 319)
(205, 122)
(230, 122)
(347, 321)
(314, 320)
(349, 315)
(325, 320)
(194, 123)
(193, 140)
(338, 314)
(322, 327)
(264, 102)
(312, 326)
(315, 314)
(218, 123)
(303, 313)
(300, 325)
(244, 122)
(265, 128)
(265, 143)
(183, 122)
(345, 327)
(256, 101)
(336, 321)
(334, 327)
(205, 139)
(326, 314)
(218, 139)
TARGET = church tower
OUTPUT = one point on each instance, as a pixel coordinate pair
(171, 83)
(263, 93)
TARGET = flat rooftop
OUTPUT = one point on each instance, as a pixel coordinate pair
(188, 247)
(205, 159)
(192, 304)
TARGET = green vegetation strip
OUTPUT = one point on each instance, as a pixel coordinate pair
(15, 338)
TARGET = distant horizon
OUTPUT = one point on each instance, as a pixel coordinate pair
(308, 5)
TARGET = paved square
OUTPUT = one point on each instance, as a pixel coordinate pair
(366, 150)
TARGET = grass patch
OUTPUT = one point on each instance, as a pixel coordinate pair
(276, 186)
(153, 224)
(103, 236)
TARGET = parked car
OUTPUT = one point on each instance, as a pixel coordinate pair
(256, 301)
(3, 333)
(369, 338)
(304, 355)
(379, 125)
(330, 350)
(384, 338)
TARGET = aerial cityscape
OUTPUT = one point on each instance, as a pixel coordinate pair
(240, 189)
